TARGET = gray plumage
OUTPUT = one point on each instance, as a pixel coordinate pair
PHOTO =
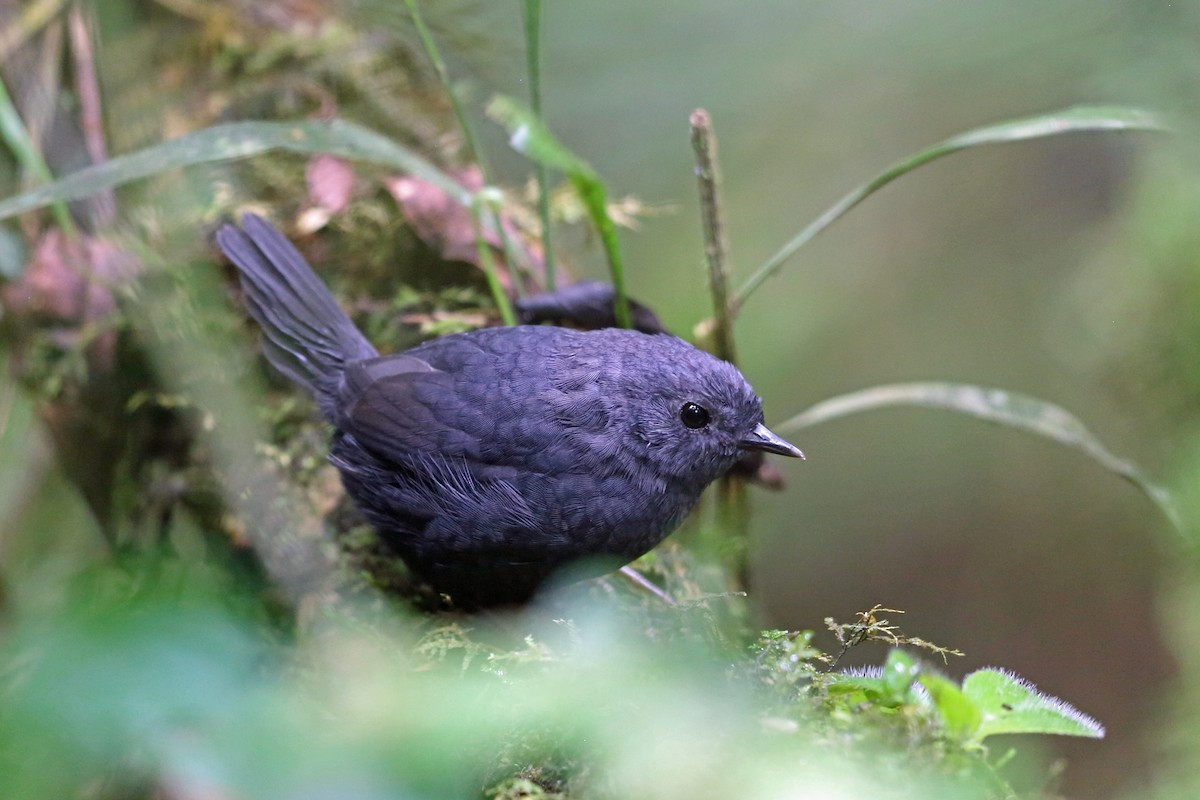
(489, 459)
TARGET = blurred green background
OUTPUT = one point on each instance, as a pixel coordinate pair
(1046, 267)
(1024, 266)
(1062, 268)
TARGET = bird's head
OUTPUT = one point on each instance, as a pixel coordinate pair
(695, 415)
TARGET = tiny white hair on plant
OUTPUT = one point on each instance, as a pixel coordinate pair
(1045, 700)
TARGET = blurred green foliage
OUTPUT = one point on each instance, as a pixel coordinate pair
(168, 686)
(184, 670)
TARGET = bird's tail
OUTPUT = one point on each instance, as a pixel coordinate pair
(307, 336)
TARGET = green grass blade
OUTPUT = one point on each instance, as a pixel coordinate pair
(960, 715)
(531, 11)
(487, 263)
(993, 405)
(439, 66)
(529, 136)
(16, 137)
(233, 141)
(1071, 120)
(532, 17)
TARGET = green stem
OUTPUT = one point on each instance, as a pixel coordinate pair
(612, 251)
(733, 512)
(476, 154)
(533, 16)
(15, 135)
(103, 204)
(439, 66)
(499, 296)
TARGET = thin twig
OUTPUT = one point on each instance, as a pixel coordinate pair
(33, 18)
(733, 512)
(103, 203)
(716, 245)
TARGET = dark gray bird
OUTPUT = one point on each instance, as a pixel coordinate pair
(487, 460)
(588, 305)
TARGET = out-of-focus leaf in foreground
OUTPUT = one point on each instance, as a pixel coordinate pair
(86, 692)
(232, 141)
(993, 405)
(181, 699)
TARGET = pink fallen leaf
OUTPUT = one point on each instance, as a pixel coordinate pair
(330, 183)
(68, 285)
(445, 225)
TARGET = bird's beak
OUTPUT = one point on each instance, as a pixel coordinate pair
(761, 438)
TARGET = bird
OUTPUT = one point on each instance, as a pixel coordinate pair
(586, 304)
(490, 460)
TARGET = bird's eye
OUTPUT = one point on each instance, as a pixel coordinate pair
(694, 416)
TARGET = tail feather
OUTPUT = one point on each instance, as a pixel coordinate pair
(307, 335)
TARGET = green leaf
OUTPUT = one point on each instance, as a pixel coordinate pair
(899, 672)
(959, 713)
(1071, 120)
(529, 137)
(845, 683)
(1010, 704)
(993, 405)
(889, 686)
(238, 140)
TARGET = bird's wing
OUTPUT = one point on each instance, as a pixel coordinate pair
(400, 408)
(424, 436)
